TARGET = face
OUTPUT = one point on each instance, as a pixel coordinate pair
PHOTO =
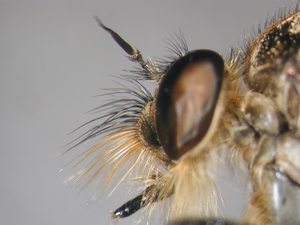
(205, 106)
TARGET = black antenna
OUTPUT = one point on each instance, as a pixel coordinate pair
(135, 55)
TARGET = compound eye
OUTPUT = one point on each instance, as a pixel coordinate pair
(187, 99)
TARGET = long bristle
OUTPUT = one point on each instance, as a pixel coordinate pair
(123, 152)
(194, 193)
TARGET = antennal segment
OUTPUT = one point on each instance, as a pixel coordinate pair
(135, 55)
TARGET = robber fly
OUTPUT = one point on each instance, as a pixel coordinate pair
(202, 106)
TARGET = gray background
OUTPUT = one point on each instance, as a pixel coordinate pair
(54, 58)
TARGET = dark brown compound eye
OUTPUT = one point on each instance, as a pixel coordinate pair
(186, 100)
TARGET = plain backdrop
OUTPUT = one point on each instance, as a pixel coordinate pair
(54, 58)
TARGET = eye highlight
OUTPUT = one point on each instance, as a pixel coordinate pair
(186, 100)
